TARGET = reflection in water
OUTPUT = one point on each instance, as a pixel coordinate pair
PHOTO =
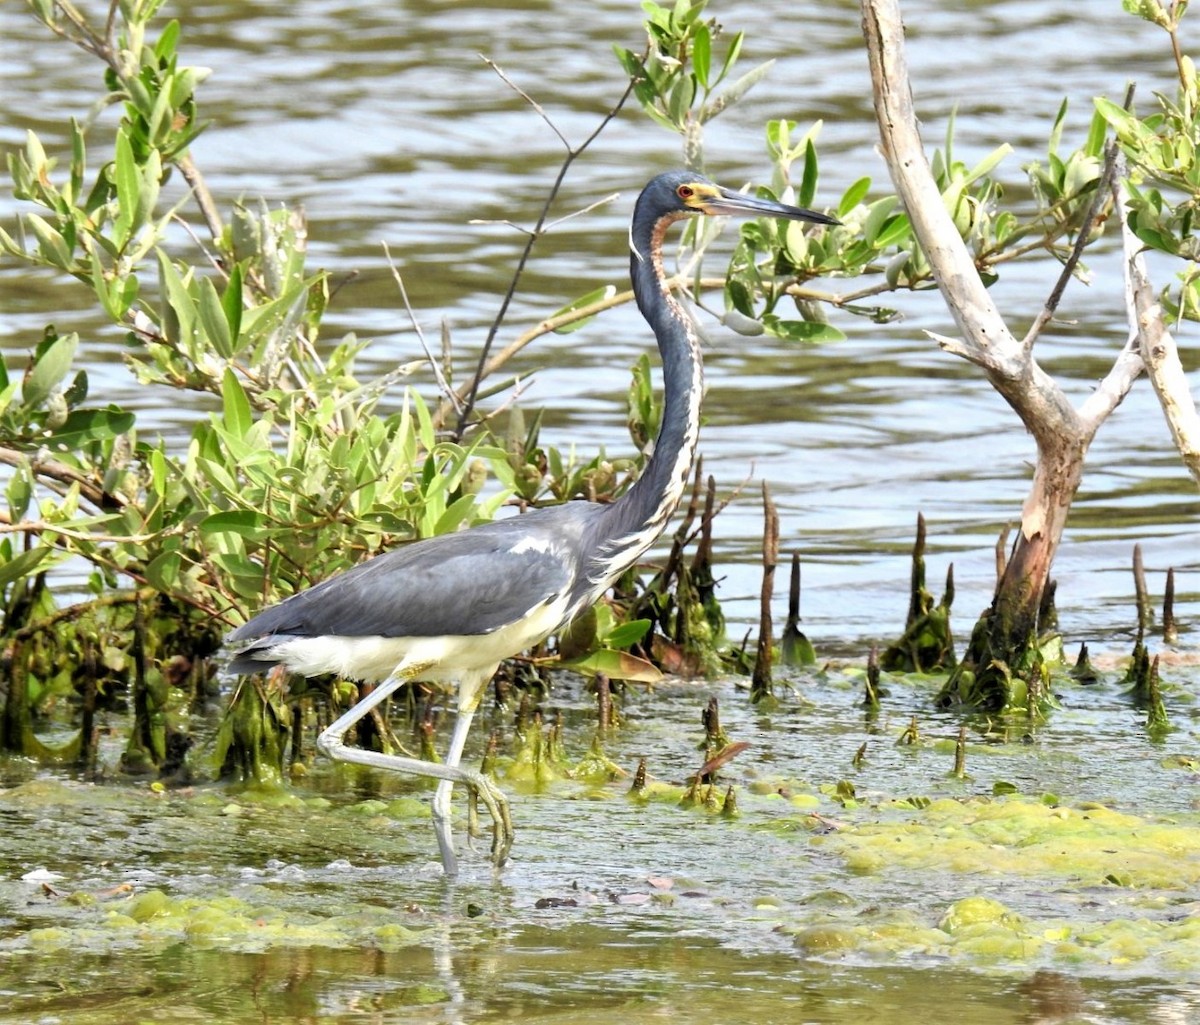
(567, 977)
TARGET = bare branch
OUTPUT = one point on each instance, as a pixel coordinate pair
(89, 489)
(204, 200)
(443, 385)
(1099, 199)
(986, 341)
(951, 262)
(472, 393)
(544, 327)
(1111, 391)
(1157, 347)
(537, 107)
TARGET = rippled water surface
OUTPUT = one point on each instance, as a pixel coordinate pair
(385, 124)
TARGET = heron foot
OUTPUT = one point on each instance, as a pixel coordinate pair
(478, 786)
(481, 788)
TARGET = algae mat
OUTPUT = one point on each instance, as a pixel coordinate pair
(1057, 880)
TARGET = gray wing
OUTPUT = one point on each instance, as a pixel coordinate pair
(467, 583)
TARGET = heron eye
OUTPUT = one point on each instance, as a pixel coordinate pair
(685, 192)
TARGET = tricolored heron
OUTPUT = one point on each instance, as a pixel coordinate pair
(448, 609)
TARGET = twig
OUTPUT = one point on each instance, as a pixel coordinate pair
(42, 527)
(83, 608)
(1101, 196)
(204, 200)
(89, 490)
(443, 385)
(468, 405)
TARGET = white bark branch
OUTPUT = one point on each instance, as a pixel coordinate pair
(985, 335)
(1157, 348)
(1112, 390)
(986, 341)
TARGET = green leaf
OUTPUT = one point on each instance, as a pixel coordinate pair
(595, 296)
(808, 181)
(53, 363)
(1097, 135)
(236, 414)
(1056, 130)
(128, 184)
(896, 229)
(163, 571)
(104, 290)
(735, 50)
(21, 565)
(212, 319)
(853, 196)
(19, 492)
(244, 575)
(458, 511)
(248, 523)
(736, 91)
(988, 163)
(233, 303)
(627, 633)
(1129, 129)
(178, 311)
(160, 113)
(182, 88)
(425, 432)
(87, 425)
(617, 665)
(150, 182)
(164, 49)
(702, 54)
(259, 321)
(808, 331)
(52, 246)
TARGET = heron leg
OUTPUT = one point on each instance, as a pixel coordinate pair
(441, 796)
(331, 743)
(479, 786)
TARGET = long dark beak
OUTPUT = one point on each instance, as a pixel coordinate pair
(736, 204)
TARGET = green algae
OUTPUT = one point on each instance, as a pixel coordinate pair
(1020, 837)
(155, 917)
(888, 862)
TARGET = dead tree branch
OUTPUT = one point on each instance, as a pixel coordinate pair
(1156, 347)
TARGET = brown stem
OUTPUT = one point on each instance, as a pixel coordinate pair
(760, 685)
(1170, 629)
(1144, 615)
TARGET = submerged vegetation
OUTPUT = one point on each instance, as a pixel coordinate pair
(897, 858)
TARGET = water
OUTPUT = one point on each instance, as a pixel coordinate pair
(385, 124)
(325, 904)
(384, 127)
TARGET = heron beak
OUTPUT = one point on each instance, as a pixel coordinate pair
(728, 203)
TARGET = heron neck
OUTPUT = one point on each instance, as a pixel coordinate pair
(636, 520)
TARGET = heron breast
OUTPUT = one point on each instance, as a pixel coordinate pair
(372, 658)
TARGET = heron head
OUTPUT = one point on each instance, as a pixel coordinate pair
(685, 193)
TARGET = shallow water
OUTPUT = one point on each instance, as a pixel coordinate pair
(384, 124)
(324, 903)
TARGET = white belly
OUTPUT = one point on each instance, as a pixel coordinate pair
(374, 658)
